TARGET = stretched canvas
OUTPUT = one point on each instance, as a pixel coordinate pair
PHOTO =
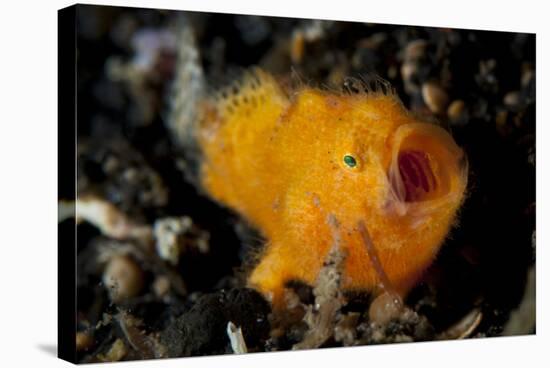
(236, 184)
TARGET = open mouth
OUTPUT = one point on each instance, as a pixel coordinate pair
(417, 177)
(425, 163)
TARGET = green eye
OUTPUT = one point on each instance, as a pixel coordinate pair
(350, 161)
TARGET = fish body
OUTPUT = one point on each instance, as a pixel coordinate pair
(286, 161)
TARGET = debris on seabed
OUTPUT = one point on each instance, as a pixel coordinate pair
(236, 338)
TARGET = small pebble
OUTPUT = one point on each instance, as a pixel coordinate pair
(161, 286)
(512, 99)
(407, 71)
(110, 165)
(117, 351)
(130, 174)
(123, 278)
(435, 97)
(415, 50)
(83, 341)
(526, 77)
(385, 308)
(456, 110)
(174, 234)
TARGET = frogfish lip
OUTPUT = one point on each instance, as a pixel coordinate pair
(426, 167)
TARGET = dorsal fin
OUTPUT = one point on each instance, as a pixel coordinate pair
(253, 90)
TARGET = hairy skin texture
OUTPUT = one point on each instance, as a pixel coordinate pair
(286, 163)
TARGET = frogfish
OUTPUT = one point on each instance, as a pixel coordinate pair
(285, 160)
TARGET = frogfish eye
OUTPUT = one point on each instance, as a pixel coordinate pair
(350, 161)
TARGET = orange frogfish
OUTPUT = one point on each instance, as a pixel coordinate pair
(286, 161)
